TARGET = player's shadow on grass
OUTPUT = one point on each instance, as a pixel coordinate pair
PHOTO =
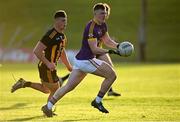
(43, 117)
(15, 106)
(73, 120)
(109, 99)
(27, 118)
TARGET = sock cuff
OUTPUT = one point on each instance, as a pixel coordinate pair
(53, 100)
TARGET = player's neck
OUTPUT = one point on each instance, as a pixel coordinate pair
(96, 21)
(58, 29)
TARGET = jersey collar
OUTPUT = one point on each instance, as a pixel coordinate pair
(96, 21)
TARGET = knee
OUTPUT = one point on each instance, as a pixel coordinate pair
(113, 76)
(46, 91)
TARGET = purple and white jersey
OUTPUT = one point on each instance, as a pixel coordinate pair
(91, 32)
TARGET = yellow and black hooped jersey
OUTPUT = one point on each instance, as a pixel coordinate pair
(55, 43)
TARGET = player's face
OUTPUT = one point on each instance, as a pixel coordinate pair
(100, 15)
(61, 23)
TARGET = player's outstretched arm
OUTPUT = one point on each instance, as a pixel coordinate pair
(94, 48)
(65, 60)
(109, 42)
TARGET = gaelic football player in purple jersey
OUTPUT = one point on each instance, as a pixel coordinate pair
(106, 57)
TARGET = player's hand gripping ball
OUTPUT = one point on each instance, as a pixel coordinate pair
(125, 49)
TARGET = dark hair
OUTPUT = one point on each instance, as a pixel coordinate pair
(60, 13)
(99, 6)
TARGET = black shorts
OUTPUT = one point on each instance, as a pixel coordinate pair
(46, 75)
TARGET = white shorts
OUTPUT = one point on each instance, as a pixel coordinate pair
(88, 66)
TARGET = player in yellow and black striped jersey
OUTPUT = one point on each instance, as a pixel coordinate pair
(55, 44)
(48, 50)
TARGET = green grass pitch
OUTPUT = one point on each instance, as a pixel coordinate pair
(150, 92)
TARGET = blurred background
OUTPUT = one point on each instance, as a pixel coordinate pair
(153, 26)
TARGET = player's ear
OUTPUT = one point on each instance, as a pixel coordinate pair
(94, 12)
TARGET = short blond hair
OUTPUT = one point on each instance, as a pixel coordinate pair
(108, 9)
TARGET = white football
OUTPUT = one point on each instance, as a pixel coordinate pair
(125, 48)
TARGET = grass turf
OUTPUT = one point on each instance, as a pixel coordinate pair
(150, 92)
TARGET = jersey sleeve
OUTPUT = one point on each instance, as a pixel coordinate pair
(46, 40)
(92, 33)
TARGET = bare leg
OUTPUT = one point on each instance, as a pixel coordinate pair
(108, 60)
(52, 87)
(39, 87)
(74, 79)
(106, 71)
(21, 83)
(44, 87)
(62, 79)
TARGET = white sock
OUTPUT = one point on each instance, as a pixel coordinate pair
(98, 99)
(49, 105)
